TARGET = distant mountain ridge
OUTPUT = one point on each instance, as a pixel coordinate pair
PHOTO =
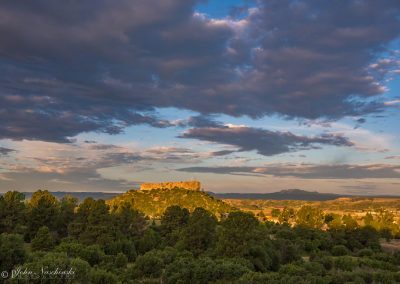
(80, 195)
(286, 194)
(294, 194)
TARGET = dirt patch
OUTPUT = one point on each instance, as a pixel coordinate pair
(392, 246)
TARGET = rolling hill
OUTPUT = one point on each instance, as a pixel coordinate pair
(154, 202)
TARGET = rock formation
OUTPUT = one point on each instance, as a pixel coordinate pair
(189, 185)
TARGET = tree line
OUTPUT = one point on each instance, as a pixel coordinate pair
(118, 244)
(380, 219)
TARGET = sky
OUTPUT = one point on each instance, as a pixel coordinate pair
(244, 96)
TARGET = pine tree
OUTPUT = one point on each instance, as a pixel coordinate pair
(43, 240)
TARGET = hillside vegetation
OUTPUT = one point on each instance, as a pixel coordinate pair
(339, 204)
(153, 203)
(63, 241)
(357, 206)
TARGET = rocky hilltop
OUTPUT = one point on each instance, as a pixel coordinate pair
(154, 202)
(188, 185)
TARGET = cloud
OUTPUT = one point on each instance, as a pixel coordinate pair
(71, 67)
(363, 189)
(89, 180)
(59, 126)
(5, 151)
(82, 166)
(102, 66)
(315, 64)
(265, 142)
(391, 103)
(308, 171)
(392, 157)
(199, 121)
(222, 153)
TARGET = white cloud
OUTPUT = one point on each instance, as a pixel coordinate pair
(390, 103)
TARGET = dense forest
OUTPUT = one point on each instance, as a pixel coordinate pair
(46, 240)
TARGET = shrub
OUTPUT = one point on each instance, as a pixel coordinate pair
(101, 276)
(12, 251)
(121, 260)
(340, 250)
(326, 261)
(147, 265)
(346, 263)
(365, 252)
(43, 240)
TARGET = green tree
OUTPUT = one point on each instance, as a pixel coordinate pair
(50, 261)
(203, 270)
(81, 269)
(99, 228)
(349, 222)
(309, 216)
(93, 254)
(76, 227)
(12, 211)
(12, 251)
(237, 232)
(121, 260)
(43, 210)
(151, 239)
(130, 222)
(43, 240)
(173, 222)
(67, 214)
(180, 271)
(334, 221)
(275, 212)
(368, 219)
(287, 215)
(199, 233)
(346, 263)
(364, 237)
(340, 250)
(148, 265)
(100, 276)
(125, 246)
(286, 251)
(385, 222)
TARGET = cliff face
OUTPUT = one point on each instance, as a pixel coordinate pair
(189, 185)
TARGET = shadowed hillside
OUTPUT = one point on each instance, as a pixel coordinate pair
(154, 202)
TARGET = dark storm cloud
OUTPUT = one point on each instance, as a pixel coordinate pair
(200, 121)
(68, 67)
(263, 141)
(222, 153)
(308, 171)
(312, 57)
(5, 151)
